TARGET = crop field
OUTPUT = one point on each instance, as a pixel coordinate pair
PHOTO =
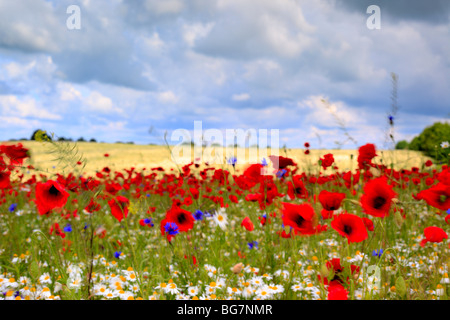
(117, 221)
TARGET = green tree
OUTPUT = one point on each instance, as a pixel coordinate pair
(429, 141)
(402, 145)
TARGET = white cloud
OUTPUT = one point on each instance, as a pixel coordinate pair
(167, 97)
(11, 105)
(241, 97)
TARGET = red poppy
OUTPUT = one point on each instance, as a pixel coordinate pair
(50, 195)
(338, 272)
(331, 200)
(183, 219)
(368, 223)
(55, 228)
(299, 217)
(437, 196)
(5, 181)
(350, 226)
(433, 234)
(327, 160)
(247, 224)
(119, 207)
(297, 189)
(377, 198)
(337, 292)
(365, 155)
(429, 163)
(280, 162)
(15, 153)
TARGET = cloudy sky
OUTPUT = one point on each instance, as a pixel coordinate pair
(136, 69)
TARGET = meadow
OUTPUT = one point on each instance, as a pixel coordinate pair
(119, 221)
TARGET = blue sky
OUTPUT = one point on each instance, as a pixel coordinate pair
(232, 64)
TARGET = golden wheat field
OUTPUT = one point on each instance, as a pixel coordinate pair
(125, 156)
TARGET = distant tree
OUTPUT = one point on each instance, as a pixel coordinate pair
(81, 140)
(402, 145)
(92, 140)
(430, 139)
(33, 136)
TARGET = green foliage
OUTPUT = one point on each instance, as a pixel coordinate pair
(430, 139)
(402, 145)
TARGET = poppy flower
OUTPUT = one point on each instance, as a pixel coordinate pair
(331, 200)
(5, 181)
(338, 272)
(297, 189)
(247, 224)
(437, 196)
(299, 217)
(327, 160)
(337, 292)
(15, 153)
(365, 155)
(368, 223)
(50, 195)
(280, 162)
(57, 230)
(119, 207)
(182, 218)
(433, 234)
(377, 198)
(350, 226)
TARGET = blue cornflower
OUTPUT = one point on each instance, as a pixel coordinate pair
(68, 228)
(198, 215)
(12, 207)
(117, 254)
(147, 195)
(232, 161)
(378, 253)
(208, 214)
(85, 226)
(253, 244)
(264, 162)
(281, 173)
(448, 211)
(149, 221)
(171, 228)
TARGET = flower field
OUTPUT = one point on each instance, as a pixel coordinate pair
(375, 230)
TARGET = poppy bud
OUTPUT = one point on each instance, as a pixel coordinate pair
(237, 268)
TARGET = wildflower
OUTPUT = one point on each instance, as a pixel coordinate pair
(378, 253)
(253, 244)
(12, 207)
(433, 234)
(117, 254)
(221, 219)
(445, 145)
(247, 224)
(299, 217)
(171, 228)
(377, 198)
(146, 222)
(50, 195)
(232, 161)
(365, 155)
(337, 292)
(68, 228)
(327, 161)
(350, 226)
(119, 207)
(198, 215)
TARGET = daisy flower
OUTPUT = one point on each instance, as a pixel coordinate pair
(221, 218)
(445, 145)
